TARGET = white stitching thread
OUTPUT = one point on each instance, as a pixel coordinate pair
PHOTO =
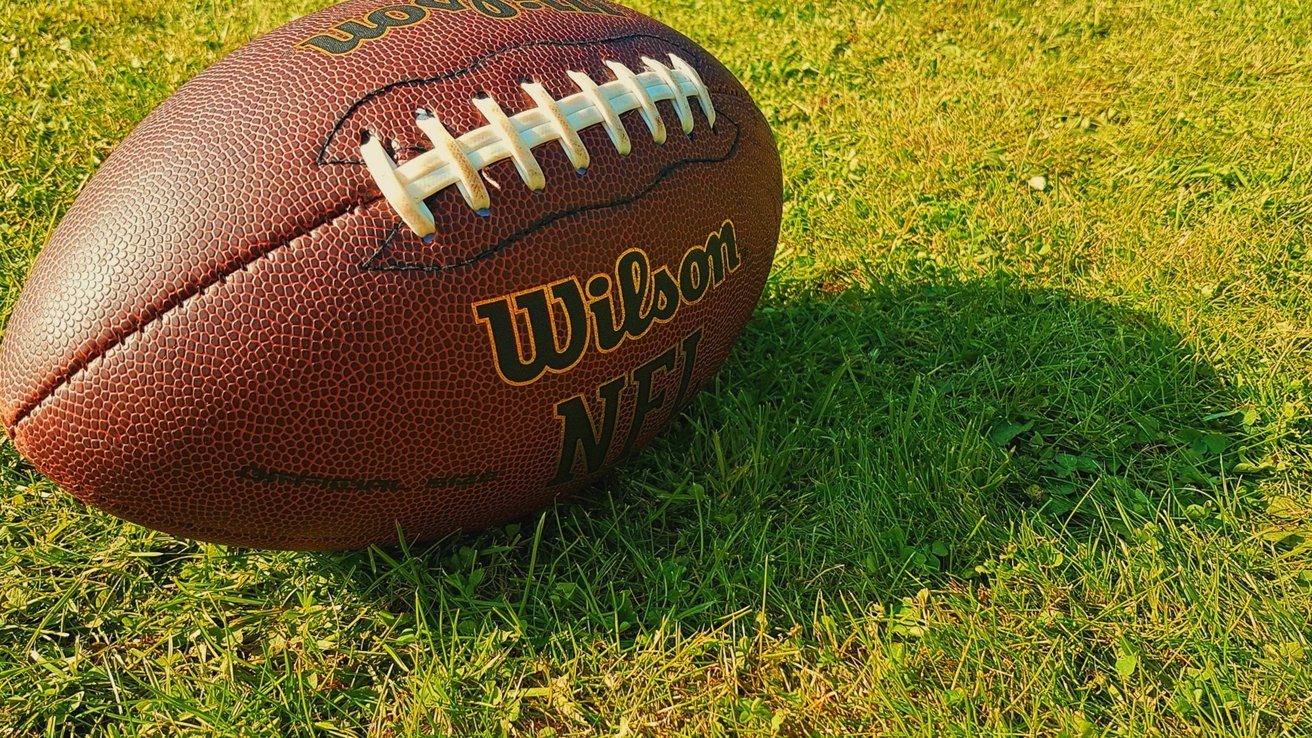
(459, 161)
(646, 105)
(569, 138)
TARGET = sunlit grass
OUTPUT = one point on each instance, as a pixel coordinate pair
(1017, 445)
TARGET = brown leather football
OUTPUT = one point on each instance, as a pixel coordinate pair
(414, 267)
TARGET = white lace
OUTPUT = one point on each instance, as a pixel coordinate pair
(460, 161)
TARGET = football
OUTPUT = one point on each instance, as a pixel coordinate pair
(396, 270)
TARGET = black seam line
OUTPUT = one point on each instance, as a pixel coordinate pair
(77, 368)
(375, 262)
(323, 160)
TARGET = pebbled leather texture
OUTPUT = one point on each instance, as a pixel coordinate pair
(232, 337)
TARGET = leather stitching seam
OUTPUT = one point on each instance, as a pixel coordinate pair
(378, 262)
(80, 367)
(324, 159)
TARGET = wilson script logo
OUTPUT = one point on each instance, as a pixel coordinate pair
(551, 328)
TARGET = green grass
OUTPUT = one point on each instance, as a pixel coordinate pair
(992, 460)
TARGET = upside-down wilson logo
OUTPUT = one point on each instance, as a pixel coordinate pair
(347, 36)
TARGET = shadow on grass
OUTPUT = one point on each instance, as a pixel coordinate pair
(858, 447)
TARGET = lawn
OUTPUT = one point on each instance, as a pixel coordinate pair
(1017, 444)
